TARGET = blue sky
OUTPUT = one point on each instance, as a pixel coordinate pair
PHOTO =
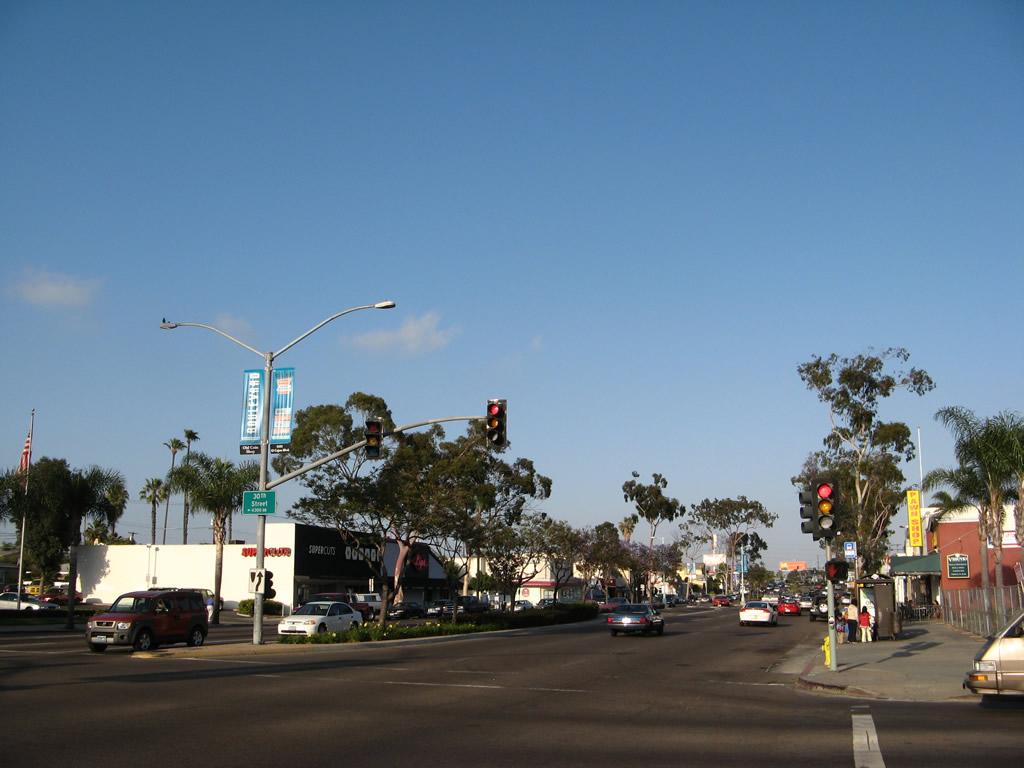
(632, 220)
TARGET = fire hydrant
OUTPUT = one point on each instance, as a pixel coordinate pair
(827, 648)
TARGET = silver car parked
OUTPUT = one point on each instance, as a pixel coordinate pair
(999, 665)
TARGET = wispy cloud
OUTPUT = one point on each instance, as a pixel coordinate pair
(237, 327)
(417, 336)
(44, 288)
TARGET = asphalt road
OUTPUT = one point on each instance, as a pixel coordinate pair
(707, 693)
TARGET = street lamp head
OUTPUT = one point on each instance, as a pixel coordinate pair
(384, 305)
(167, 326)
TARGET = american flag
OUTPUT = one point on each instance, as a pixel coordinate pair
(26, 456)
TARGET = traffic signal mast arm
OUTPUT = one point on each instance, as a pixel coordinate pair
(362, 444)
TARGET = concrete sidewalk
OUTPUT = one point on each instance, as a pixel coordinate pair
(928, 663)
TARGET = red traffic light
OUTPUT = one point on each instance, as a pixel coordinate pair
(495, 422)
(825, 490)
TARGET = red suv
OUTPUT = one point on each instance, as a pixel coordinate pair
(145, 620)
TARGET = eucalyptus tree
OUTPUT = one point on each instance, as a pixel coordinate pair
(733, 518)
(173, 445)
(862, 451)
(561, 547)
(153, 493)
(216, 486)
(514, 552)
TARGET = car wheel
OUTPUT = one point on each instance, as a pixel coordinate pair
(661, 630)
(321, 629)
(97, 647)
(195, 637)
(144, 641)
(615, 633)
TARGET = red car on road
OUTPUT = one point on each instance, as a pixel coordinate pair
(721, 601)
(789, 605)
(59, 596)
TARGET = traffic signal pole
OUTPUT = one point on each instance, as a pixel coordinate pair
(833, 636)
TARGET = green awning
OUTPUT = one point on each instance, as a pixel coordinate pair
(915, 565)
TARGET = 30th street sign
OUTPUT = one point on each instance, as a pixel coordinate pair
(259, 502)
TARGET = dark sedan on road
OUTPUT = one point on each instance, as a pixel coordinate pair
(406, 610)
(633, 618)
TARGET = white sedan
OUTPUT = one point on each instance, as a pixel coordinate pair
(9, 602)
(758, 612)
(316, 617)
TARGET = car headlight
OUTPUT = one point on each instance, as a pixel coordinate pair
(123, 625)
(984, 666)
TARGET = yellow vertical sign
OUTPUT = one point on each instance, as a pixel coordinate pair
(914, 514)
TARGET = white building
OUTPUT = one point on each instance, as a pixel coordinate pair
(304, 560)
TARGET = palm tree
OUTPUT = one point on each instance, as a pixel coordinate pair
(982, 476)
(1008, 431)
(175, 445)
(117, 495)
(86, 499)
(191, 436)
(216, 487)
(153, 492)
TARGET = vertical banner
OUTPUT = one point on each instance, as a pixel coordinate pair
(252, 412)
(281, 413)
(914, 515)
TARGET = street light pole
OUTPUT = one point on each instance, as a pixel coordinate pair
(268, 370)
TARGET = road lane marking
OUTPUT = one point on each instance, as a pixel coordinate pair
(866, 753)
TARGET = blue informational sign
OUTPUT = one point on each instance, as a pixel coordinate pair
(281, 411)
(745, 563)
(850, 549)
(252, 412)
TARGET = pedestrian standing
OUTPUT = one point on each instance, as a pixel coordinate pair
(865, 625)
(850, 617)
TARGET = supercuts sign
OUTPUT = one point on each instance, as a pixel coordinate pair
(321, 553)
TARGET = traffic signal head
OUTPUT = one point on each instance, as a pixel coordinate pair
(825, 499)
(809, 515)
(373, 436)
(269, 593)
(496, 413)
(837, 570)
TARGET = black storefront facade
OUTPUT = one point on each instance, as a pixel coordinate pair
(324, 562)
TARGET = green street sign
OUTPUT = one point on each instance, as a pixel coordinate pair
(259, 502)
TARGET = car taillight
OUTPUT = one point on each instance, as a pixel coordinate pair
(610, 619)
(643, 620)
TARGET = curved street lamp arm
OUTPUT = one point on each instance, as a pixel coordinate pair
(318, 326)
(167, 326)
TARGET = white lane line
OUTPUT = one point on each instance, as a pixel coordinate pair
(866, 753)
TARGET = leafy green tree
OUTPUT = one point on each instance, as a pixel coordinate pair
(862, 452)
(513, 552)
(733, 518)
(216, 486)
(601, 552)
(174, 445)
(561, 547)
(652, 505)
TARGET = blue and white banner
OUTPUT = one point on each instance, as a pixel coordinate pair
(281, 415)
(252, 412)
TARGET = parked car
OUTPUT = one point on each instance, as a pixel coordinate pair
(633, 618)
(758, 612)
(319, 616)
(344, 597)
(473, 604)
(59, 596)
(611, 604)
(789, 605)
(406, 610)
(522, 605)
(721, 601)
(999, 665)
(145, 620)
(820, 608)
(9, 602)
(372, 599)
(546, 602)
(436, 608)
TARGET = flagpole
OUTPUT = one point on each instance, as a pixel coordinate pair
(26, 460)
